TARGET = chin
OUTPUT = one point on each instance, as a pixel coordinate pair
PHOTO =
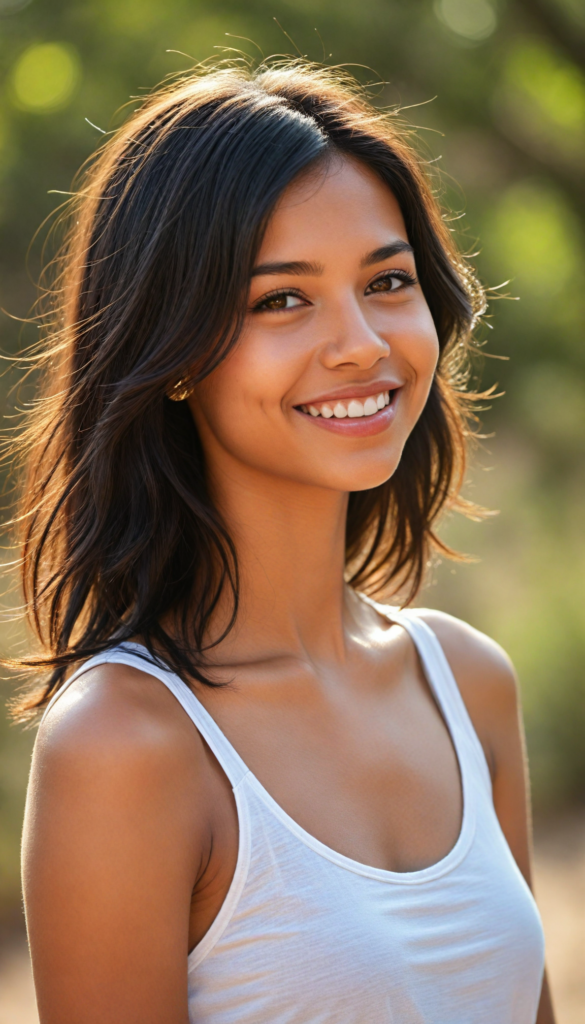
(362, 478)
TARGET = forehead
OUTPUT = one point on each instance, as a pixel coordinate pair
(341, 202)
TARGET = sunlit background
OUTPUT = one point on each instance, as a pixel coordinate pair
(497, 91)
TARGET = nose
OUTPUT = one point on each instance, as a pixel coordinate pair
(352, 341)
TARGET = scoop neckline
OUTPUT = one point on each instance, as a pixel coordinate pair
(466, 832)
(451, 859)
(441, 867)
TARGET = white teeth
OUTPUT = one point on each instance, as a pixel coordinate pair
(352, 407)
(355, 409)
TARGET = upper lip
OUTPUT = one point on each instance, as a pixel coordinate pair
(353, 391)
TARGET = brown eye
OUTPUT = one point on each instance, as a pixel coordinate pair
(276, 302)
(389, 283)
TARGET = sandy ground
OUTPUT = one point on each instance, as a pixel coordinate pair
(559, 884)
(560, 890)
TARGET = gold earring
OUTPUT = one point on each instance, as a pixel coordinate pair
(180, 391)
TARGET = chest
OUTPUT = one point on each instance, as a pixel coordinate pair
(371, 771)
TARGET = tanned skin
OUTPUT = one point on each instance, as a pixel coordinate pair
(131, 831)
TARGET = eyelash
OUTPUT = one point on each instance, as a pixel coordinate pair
(276, 294)
(401, 275)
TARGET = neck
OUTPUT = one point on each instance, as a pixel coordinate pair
(290, 544)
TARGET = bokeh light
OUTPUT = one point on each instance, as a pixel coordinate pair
(472, 19)
(12, 6)
(45, 77)
(532, 236)
(557, 88)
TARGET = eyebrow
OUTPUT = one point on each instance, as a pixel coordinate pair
(302, 267)
(386, 252)
(294, 267)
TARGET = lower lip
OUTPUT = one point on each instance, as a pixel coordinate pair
(359, 426)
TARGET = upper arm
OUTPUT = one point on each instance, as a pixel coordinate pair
(112, 842)
(489, 688)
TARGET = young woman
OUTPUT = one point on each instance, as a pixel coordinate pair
(264, 797)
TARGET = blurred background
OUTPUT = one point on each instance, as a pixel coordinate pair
(497, 91)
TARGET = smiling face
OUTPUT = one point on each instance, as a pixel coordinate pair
(338, 351)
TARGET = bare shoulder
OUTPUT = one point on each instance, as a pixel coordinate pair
(118, 833)
(117, 737)
(118, 714)
(477, 661)
(485, 676)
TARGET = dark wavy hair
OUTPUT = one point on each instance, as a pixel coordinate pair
(120, 535)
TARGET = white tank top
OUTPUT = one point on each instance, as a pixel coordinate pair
(309, 936)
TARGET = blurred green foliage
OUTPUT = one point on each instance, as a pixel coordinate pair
(497, 88)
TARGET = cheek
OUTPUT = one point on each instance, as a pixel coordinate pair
(425, 354)
(416, 344)
(264, 368)
(244, 394)
(411, 333)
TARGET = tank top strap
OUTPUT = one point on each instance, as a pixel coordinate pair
(137, 656)
(440, 678)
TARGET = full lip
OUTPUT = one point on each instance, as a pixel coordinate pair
(352, 391)
(360, 426)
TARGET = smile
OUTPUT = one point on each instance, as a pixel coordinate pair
(355, 417)
(353, 408)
